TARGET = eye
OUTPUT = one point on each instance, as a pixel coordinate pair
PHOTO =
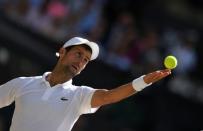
(78, 54)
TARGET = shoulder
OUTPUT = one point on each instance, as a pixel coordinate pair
(23, 80)
(77, 88)
(85, 89)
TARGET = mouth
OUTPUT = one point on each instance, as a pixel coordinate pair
(75, 67)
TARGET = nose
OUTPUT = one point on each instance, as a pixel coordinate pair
(81, 62)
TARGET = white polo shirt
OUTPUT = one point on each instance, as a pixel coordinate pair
(39, 107)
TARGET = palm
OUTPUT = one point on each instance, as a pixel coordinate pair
(157, 75)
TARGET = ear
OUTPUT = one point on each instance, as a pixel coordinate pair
(62, 52)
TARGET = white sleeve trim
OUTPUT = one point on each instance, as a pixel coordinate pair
(92, 110)
(87, 94)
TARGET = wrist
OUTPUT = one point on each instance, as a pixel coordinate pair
(139, 83)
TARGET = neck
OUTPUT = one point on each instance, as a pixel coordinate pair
(58, 77)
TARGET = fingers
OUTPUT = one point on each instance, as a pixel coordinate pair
(157, 75)
(166, 71)
(161, 74)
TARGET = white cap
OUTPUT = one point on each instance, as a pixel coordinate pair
(79, 41)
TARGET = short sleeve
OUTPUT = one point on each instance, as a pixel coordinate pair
(85, 100)
(9, 91)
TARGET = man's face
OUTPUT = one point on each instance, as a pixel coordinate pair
(75, 60)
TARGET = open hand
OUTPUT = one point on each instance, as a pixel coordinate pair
(156, 76)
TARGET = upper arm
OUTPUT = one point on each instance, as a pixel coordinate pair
(99, 98)
(102, 97)
(10, 90)
(7, 92)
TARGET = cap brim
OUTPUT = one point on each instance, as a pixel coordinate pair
(95, 49)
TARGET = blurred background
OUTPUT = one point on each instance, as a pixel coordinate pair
(134, 37)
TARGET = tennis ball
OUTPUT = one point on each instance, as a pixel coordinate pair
(170, 62)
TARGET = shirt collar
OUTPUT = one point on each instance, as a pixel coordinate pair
(69, 82)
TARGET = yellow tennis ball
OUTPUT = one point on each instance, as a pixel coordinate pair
(170, 62)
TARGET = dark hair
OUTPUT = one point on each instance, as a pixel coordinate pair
(83, 45)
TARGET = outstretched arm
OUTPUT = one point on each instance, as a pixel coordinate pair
(102, 96)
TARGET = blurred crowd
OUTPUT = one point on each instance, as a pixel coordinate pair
(132, 38)
(124, 44)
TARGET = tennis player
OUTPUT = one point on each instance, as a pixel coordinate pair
(52, 103)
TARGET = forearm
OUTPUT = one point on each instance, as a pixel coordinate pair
(127, 90)
(103, 97)
(120, 93)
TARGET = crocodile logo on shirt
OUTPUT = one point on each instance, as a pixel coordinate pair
(64, 98)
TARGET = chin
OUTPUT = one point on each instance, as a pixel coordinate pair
(70, 72)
